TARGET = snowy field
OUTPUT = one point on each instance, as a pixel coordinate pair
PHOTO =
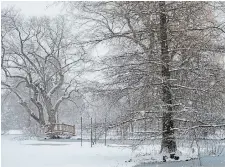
(33, 153)
(17, 152)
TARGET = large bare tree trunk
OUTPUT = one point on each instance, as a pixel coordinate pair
(168, 139)
(52, 117)
(52, 122)
(41, 118)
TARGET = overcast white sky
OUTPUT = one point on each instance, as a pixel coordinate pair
(34, 8)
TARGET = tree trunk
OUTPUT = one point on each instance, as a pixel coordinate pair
(41, 118)
(52, 117)
(168, 140)
(52, 122)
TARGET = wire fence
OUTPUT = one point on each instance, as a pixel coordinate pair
(135, 133)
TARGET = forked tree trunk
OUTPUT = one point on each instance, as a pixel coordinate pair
(168, 139)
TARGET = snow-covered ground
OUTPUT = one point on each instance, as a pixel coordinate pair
(205, 162)
(17, 152)
(33, 153)
(13, 132)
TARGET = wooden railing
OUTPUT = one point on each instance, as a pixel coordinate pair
(60, 129)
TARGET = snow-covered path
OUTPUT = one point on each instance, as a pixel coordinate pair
(32, 153)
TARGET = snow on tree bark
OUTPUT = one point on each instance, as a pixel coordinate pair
(168, 139)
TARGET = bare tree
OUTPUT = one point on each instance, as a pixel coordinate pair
(163, 54)
(39, 55)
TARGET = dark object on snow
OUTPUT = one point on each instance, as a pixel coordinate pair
(172, 155)
(55, 137)
(130, 160)
(164, 158)
(176, 157)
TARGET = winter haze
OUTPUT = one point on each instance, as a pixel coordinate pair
(113, 83)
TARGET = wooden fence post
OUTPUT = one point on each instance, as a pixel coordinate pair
(105, 131)
(74, 131)
(81, 130)
(95, 131)
(91, 132)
